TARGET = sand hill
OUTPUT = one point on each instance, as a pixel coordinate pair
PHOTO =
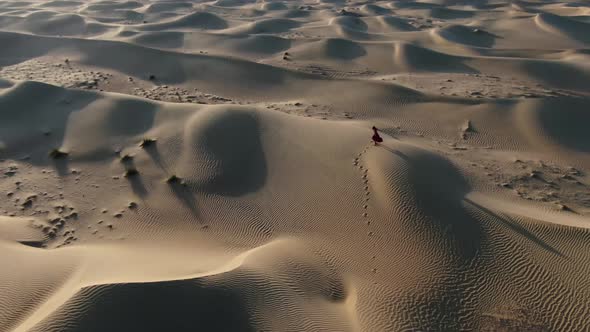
(208, 165)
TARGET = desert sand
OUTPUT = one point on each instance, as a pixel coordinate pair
(208, 165)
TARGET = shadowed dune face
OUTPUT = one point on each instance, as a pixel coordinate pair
(169, 6)
(450, 14)
(160, 39)
(553, 73)
(178, 305)
(333, 48)
(110, 5)
(232, 3)
(467, 35)
(260, 44)
(396, 23)
(61, 3)
(52, 24)
(564, 122)
(375, 9)
(407, 180)
(569, 27)
(556, 124)
(267, 26)
(34, 136)
(107, 116)
(212, 302)
(295, 13)
(211, 165)
(343, 49)
(225, 145)
(350, 23)
(197, 20)
(414, 58)
(273, 6)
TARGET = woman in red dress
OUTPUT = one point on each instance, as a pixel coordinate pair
(376, 138)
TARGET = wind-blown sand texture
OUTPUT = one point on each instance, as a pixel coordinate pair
(207, 166)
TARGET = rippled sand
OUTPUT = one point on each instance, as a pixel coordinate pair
(208, 166)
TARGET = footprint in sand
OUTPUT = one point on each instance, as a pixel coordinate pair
(365, 177)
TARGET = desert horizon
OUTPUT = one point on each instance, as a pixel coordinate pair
(270, 165)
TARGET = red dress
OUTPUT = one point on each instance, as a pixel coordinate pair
(376, 138)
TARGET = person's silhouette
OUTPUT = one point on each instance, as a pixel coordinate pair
(376, 138)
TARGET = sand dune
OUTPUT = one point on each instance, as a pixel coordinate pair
(208, 165)
(414, 58)
(557, 24)
(168, 6)
(265, 26)
(466, 35)
(197, 20)
(332, 48)
(52, 23)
